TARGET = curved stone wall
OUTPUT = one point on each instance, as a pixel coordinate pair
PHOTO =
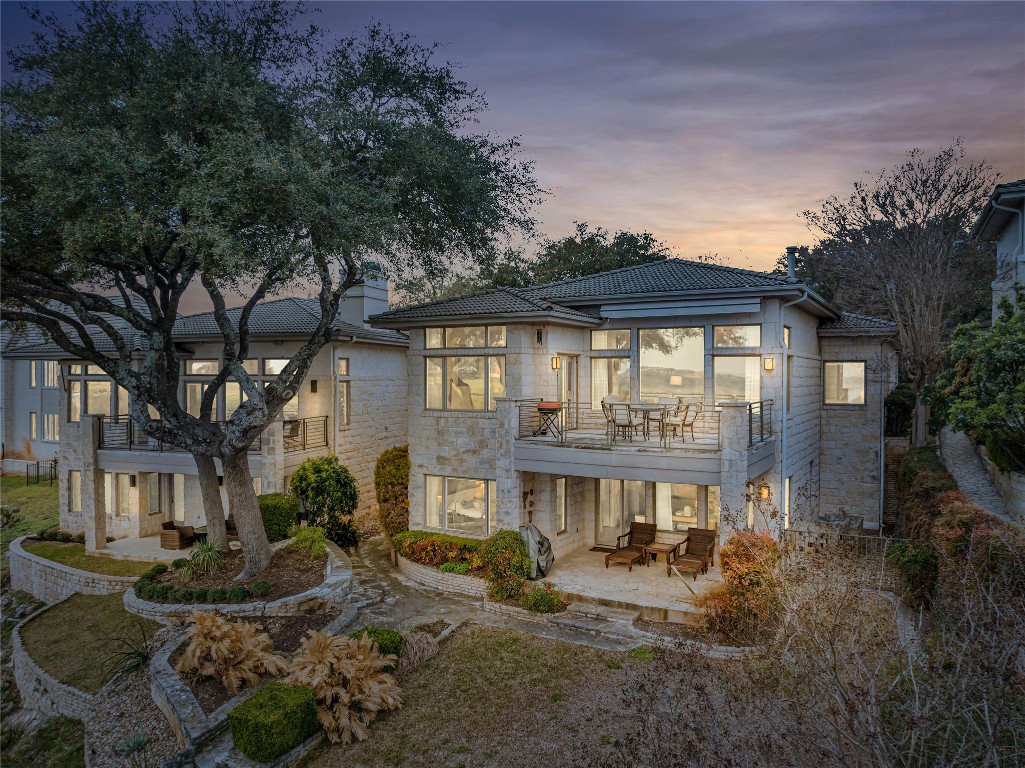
(331, 594)
(446, 582)
(52, 582)
(40, 691)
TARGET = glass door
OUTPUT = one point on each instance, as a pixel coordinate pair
(620, 502)
(568, 388)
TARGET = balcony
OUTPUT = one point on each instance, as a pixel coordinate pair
(305, 434)
(123, 433)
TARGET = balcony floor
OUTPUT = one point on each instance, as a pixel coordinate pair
(598, 438)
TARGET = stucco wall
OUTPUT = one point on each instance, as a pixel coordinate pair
(17, 400)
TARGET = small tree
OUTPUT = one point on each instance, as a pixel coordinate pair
(391, 482)
(982, 392)
(329, 493)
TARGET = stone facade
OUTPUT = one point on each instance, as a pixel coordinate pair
(447, 582)
(40, 692)
(53, 582)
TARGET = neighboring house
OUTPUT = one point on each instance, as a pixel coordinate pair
(352, 404)
(785, 394)
(1003, 220)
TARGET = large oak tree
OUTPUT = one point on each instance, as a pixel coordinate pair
(154, 149)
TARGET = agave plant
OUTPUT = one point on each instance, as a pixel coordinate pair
(347, 675)
(130, 653)
(205, 559)
(236, 653)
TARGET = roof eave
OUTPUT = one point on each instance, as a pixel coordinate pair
(383, 321)
(992, 220)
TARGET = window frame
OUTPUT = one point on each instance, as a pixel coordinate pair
(51, 374)
(444, 345)
(32, 374)
(344, 403)
(51, 428)
(864, 384)
(629, 340)
(596, 401)
(490, 505)
(715, 329)
(488, 398)
(33, 425)
(561, 505)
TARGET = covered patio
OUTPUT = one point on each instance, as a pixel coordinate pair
(582, 574)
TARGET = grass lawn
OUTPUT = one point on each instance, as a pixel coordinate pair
(74, 555)
(38, 505)
(73, 640)
(497, 697)
(59, 743)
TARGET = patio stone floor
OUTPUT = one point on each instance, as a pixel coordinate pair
(583, 574)
(147, 549)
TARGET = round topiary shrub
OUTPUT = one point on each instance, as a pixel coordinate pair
(274, 720)
(279, 512)
(506, 563)
(391, 483)
(328, 491)
(237, 594)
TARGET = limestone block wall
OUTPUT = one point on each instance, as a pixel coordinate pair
(40, 691)
(1010, 485)
(53, 582)
(446, 582)
(851, 439)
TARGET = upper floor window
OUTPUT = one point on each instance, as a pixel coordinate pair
(466, 337)
(343, 366)
(274, 366)
(786, 336)
(202, 367)
(672, 362)
(845, 383)
(617, 339)
(32, 373)
(51, 373)
(737, 336)
(343, 392)
(464, 383)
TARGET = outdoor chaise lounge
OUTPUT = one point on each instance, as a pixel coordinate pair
(637, 537)
(697, 553)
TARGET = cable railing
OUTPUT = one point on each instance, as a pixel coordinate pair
(305, 434)
(124, 433)
(759, 421)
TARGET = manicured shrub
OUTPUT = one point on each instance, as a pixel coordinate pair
(506, 563)
(237, 594)
(310, 539)
(389, 642)
(157, 570)
(54, 533)
(261, 588)
(217, 595)
(330, 495)
(455, 568)
(435, 549)
(180, 562)
(200, 595)
(279, 512)
(274, 720)
(391, 483)
(143, 589)
(161, 591)
(542, 598)
(180, 595)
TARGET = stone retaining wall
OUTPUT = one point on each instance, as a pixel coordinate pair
(41, 692)
(445, 582)
(52, 582)
(515, 612)
(332, 594)
(1010, 485)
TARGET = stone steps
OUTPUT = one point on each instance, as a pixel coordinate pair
(601, 620)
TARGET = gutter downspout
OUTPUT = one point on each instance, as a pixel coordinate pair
(785, 415)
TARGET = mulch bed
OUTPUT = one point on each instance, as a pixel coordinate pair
(285, 631)
(290, 572)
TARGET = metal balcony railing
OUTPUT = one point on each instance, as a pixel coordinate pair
(305, 434)
(759, 422)
(123, 433)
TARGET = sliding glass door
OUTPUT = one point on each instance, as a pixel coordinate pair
(619, 503)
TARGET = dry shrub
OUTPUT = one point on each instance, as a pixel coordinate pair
(417, 648)
(236, 653)
(347, 675)
(746, 603)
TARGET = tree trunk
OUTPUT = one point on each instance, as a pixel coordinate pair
(920, 423)
(213, 508)
(245, 510)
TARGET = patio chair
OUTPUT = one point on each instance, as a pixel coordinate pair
(686, 419)
(176, 536)
(639, 535)
(696, 553)
(606, 409)
(624, 421)
(673, 416)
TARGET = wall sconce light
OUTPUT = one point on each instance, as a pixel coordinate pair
(313, 386)
(764, 492)
(556, 363)
(769, 363)
(676, 381)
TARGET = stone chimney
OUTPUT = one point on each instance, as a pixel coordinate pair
(362, 301)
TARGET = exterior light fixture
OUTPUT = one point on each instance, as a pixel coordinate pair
(556, 363)
(769, 363)
(764, 492)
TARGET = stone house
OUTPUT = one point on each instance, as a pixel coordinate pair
(771, 412)
(1003, 220)
(116, 482)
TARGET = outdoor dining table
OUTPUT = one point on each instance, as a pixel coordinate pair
(650, 409)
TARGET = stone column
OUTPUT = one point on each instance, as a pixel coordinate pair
(733, 478)
(272, 458)
(507, 479)
(94, 501)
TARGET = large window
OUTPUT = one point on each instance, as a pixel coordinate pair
(845, 383)
(115, 490)
(609, 376)
(274, 366)
(561, 502)
(51, 427)
(234, 396)
(194, 391)
(617, 339)
(672, 363)
(676, 506)
(51, 373)
(464, 383)
(97, 398)
(620, 502)
(737, 336)
(460, 505)
(466, 337)
(738, 378)
(75, 490)
(202, 367)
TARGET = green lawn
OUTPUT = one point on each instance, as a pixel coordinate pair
(73, 641)
(38, 506)
(60, 743)
(74, 555)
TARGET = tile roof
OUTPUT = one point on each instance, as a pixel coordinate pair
(496, 301)
(26, 338)
(852, 324)
(991, 220)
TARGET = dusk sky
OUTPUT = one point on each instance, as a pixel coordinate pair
(714, 124)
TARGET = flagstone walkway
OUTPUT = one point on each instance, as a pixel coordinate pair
(959, 456)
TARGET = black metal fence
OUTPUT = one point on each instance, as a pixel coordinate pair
(40, 472)
(759, 421)
(123, 433)
(304, 434)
